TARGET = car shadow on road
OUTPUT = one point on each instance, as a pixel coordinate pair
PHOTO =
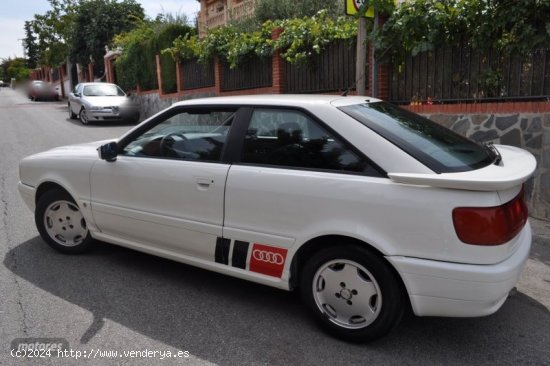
(47, 101)
(231, 321)
(97, 124)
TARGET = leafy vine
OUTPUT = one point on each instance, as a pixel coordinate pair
(299, 38)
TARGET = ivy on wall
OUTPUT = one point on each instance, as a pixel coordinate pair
(300, 38)
(414, 26)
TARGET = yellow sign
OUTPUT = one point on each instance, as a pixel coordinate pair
(353, 6)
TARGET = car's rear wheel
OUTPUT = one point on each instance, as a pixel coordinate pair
(352, 292)
(71, 114)
(83, 115)
(61, 223)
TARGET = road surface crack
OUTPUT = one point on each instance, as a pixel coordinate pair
(12, 254)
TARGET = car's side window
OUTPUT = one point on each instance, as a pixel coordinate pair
(292, 139)
(190, 135)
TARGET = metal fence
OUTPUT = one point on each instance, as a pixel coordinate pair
(55, 74)
(331, 70)
(456, 74)
(197, 75)
(253, 73)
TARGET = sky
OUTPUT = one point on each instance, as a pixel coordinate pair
(14, 13)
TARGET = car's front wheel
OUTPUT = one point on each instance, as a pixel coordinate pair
(61, 223)
(352, 292)
(83, 115)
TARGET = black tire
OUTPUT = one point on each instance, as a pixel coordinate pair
(83, 116)
(371, 282)
(71, 114)
(61, 224)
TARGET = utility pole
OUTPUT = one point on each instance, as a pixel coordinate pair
(361, 59)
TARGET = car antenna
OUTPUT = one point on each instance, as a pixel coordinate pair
(346, 92)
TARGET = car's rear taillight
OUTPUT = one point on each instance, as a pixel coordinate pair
(490, 225)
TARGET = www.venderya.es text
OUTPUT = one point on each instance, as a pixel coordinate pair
(97, 353)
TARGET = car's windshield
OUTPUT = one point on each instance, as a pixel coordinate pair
(102, 90)
(437, 147)
(189, 135)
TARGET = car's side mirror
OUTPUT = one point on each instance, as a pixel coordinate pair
(108, 151)
(77, 95)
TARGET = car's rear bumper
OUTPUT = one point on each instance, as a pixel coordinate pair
(439, 288)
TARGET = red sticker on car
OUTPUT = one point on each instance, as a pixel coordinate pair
(267, 260)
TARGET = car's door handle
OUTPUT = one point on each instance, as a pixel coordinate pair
(204, 183)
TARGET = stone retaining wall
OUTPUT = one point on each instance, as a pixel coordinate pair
(151, 103)
(526, 130)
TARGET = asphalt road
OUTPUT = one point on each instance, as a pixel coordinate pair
(120, 300)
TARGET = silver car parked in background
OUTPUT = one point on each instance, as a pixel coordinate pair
(96, 102)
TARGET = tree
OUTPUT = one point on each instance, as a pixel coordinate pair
(96, 23)
(54, 30)
(31, 48)
(15, 68)
(4, 69)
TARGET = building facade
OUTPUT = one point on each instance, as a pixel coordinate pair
(214, 13)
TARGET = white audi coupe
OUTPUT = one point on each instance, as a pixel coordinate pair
(363, 207)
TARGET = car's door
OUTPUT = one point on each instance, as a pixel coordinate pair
(293, 175)
(74, 99)
(165, 190)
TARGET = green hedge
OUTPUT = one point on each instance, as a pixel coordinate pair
(137, 63)
(167, 64)
(147, 74)
(138, 68)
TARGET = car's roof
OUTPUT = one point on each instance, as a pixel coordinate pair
(96, 83)
(298, 100)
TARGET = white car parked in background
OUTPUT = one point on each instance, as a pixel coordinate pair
(362, 206)
(101, 102)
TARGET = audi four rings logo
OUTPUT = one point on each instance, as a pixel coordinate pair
(268, 257)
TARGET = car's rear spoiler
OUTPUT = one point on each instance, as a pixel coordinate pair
(516, 167)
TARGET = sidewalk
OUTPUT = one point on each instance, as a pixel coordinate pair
(541, 231)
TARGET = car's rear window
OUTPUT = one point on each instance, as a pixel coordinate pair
(435, 146)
